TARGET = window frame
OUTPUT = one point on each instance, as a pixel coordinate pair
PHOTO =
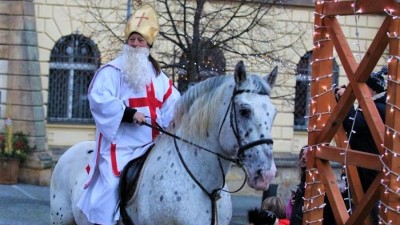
(305, 97)
(78, 58)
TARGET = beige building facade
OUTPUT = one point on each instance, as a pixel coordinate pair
(30, 31)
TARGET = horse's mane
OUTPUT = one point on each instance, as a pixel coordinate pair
(200, 104)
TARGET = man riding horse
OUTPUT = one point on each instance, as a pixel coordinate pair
(124, 93)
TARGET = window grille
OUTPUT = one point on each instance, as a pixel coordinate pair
(302, 96)
(73, 62)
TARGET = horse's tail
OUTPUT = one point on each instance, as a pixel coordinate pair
(127, 185)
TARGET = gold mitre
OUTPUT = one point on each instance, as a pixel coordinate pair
(145, 22)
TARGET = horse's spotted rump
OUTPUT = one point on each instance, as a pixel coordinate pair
(158, 158)
(161, 177)
(172, 165)
(161, 198)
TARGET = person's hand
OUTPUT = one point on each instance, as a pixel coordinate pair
(292, 200)
(139, 118)
(342, 186)
(339, 92)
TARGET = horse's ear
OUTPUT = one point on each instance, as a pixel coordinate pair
(240, 72)
(271, 77)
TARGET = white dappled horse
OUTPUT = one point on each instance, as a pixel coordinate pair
(220, 121)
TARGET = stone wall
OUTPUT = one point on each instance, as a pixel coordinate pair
(20, 85)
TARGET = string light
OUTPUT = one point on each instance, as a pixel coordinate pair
(389, 12)
(315, 221)
(321, 77)
(382, 221)
(317, 114)
(315, 208)
(391, 133)
(320, 60)
(315, 196)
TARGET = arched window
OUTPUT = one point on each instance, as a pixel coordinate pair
(302, 97)
(73, 62)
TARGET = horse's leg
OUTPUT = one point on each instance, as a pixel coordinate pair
(66, 185)
(60, 204)
(224, 209)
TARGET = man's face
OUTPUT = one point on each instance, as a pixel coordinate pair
(137, 40)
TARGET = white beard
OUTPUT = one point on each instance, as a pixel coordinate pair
(136, 68)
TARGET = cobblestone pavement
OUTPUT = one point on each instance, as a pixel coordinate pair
(24, 204)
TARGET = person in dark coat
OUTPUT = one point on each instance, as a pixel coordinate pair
(296, 201)
(358, 133)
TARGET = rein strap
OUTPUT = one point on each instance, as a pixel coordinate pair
(243, 148)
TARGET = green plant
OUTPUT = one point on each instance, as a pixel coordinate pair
(15, 145)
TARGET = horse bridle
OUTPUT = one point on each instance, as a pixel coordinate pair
(215, 194)
(242, 148)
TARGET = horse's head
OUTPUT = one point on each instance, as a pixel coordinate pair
(250, 119)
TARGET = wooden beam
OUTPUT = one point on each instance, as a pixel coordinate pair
(320, 104)
(332, 191)
(340, 137)
(361, 91)
(364, 208)
(328, 29)
(341, 45)
(355, 74)
(344, 8)
(350, 157)
(390, 182)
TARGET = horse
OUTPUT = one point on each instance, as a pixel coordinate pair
(218, 122)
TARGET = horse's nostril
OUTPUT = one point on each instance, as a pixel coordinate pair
(259, 172)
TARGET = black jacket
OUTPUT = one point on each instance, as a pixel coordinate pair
(362, 138)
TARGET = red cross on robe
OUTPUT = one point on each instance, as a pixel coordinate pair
(150, 101)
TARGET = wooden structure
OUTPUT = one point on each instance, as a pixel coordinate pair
(326, 117)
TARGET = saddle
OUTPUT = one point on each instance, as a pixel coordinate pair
(127, 184)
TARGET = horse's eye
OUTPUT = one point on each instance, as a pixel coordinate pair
(245, 113)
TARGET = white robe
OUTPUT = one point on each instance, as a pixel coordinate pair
(118, 143)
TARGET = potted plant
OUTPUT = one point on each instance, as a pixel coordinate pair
(13, 149)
